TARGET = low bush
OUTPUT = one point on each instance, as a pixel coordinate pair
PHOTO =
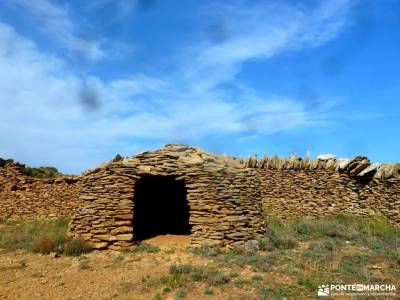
(42, 236)
(77, 247)
(43, 245)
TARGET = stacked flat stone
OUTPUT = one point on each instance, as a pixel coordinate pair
(293, 187)
(31, 198)
(223, 197)
(359, 166)
(227, 196)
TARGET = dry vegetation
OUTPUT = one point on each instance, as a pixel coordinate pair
(289, 262)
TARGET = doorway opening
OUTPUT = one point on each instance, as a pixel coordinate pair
(160, 207)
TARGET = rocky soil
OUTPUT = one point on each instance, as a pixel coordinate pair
(103, 274)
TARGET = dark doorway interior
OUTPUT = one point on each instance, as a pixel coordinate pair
(160, 207)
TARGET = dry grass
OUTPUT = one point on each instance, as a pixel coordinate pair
(41, 236)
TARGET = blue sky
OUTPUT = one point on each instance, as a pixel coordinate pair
(83, 80)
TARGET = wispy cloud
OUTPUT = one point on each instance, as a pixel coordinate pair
(259, 32)
(55, 20)
(44, 111)
(121, 8)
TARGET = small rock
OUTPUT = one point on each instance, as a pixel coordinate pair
(251, 246)
(326, 157)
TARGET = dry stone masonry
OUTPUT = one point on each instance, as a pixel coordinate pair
(223, 197)
(30, 198)
(226, 197)
(295, 187)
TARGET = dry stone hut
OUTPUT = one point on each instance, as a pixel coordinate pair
(174, 190)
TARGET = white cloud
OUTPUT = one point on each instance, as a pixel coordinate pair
(55, 21)
(46, 119)
(260, 32)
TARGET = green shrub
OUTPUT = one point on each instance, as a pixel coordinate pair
(181, 293)
(42, 172)
(257, 278)
(77, 247)
(197, 276)
(209, 292)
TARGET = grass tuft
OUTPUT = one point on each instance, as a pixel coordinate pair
(146, 248)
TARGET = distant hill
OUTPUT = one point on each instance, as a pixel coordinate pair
(41, 172)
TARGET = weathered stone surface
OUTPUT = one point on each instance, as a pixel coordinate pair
(99, 245)
(105, 237)
(227, 197)
(192, 159)
(124, 237)
(123, 217)
(222, 195)
(123, 229)
(31, 198)
(370, 170)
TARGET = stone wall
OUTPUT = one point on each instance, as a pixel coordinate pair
(30, 198)
(223, 197)
(294, 187)
(227, 197)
